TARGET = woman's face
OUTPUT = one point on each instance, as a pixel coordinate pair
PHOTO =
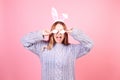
(58, 33)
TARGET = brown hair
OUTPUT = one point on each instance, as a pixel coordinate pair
(51, 41)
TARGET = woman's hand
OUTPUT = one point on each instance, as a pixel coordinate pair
(69, 30)
(46, 32)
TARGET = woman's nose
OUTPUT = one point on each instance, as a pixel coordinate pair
(58, 33)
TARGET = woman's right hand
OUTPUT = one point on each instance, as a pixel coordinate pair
(46, 32)
(69, 30)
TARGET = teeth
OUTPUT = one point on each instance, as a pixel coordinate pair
(58, 37)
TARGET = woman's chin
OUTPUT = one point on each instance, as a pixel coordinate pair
(58, 42)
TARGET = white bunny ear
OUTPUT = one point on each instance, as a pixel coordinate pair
(56, 17)
(54, 14)
(64, 16)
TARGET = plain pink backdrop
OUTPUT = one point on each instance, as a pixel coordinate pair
(99, 19)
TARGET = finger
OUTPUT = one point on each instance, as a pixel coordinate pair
(46, 32)
(69, 31)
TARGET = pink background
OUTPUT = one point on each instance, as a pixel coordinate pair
(100, 19)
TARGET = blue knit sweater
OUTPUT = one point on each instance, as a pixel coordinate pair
(59, 62)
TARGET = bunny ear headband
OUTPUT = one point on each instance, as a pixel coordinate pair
(56, 17)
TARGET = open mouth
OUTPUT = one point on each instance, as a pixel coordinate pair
(58, 38)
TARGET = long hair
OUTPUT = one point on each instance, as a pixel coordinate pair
(51, 40)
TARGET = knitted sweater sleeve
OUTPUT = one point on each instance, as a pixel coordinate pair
(34, 41)
(85, 44)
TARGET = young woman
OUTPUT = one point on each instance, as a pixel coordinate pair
(57, 55)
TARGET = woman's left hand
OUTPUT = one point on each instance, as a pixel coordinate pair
(69, 30)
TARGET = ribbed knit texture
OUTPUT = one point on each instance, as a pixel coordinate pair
(59, 62)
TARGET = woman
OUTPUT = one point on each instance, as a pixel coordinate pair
(57, 55)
